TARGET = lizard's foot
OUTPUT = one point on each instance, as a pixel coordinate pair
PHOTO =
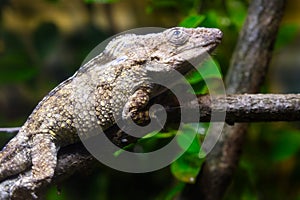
(44, 158)
(136, 108)
(24, 188)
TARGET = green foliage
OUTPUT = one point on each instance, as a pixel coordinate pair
(208, 70)
(287, 33)
(171, 193)
(17, 71)
(187, 167)
(53, 194)
(270, 160)
(15, 62)
(192, 21)
(286, 145)
(237, 11)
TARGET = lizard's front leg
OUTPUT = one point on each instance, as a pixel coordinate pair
(44, 159)
(137, 110)
(135, 106)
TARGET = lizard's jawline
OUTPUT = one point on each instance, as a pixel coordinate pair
(186, 65)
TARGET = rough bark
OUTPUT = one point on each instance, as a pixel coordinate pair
(244, 108)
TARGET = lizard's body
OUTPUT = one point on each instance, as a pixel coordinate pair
(96, 94)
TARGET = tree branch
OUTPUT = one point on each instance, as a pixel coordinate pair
(240, 108)
(10, 130)
(248, 108)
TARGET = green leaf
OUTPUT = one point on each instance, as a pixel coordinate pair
(186, 137)
(212, 19)
(120, 151)
(208, 71)
(148, 140)
(192, 21)
(199, 88)
(171, 193)
(194, 77)
(187, 167)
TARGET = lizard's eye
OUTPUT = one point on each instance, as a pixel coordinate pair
(177, 32)
(177, 36)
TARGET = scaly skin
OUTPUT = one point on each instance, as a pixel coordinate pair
(95, 96)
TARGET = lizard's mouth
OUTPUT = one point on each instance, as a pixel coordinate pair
(210, 46)
(188, 64)
(213, 42)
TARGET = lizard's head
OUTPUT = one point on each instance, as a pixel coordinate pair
(172, 48)
(180, 46)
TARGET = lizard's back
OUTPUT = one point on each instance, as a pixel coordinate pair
(93, 97)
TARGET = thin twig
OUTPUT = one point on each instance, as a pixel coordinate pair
(9, 130)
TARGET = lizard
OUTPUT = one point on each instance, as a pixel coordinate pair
(115, 81)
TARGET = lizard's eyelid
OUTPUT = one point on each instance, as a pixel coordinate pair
(178, 37)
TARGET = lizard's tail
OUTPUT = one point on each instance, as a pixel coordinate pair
(13, 155)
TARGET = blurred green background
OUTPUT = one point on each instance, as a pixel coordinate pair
(43, 42)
